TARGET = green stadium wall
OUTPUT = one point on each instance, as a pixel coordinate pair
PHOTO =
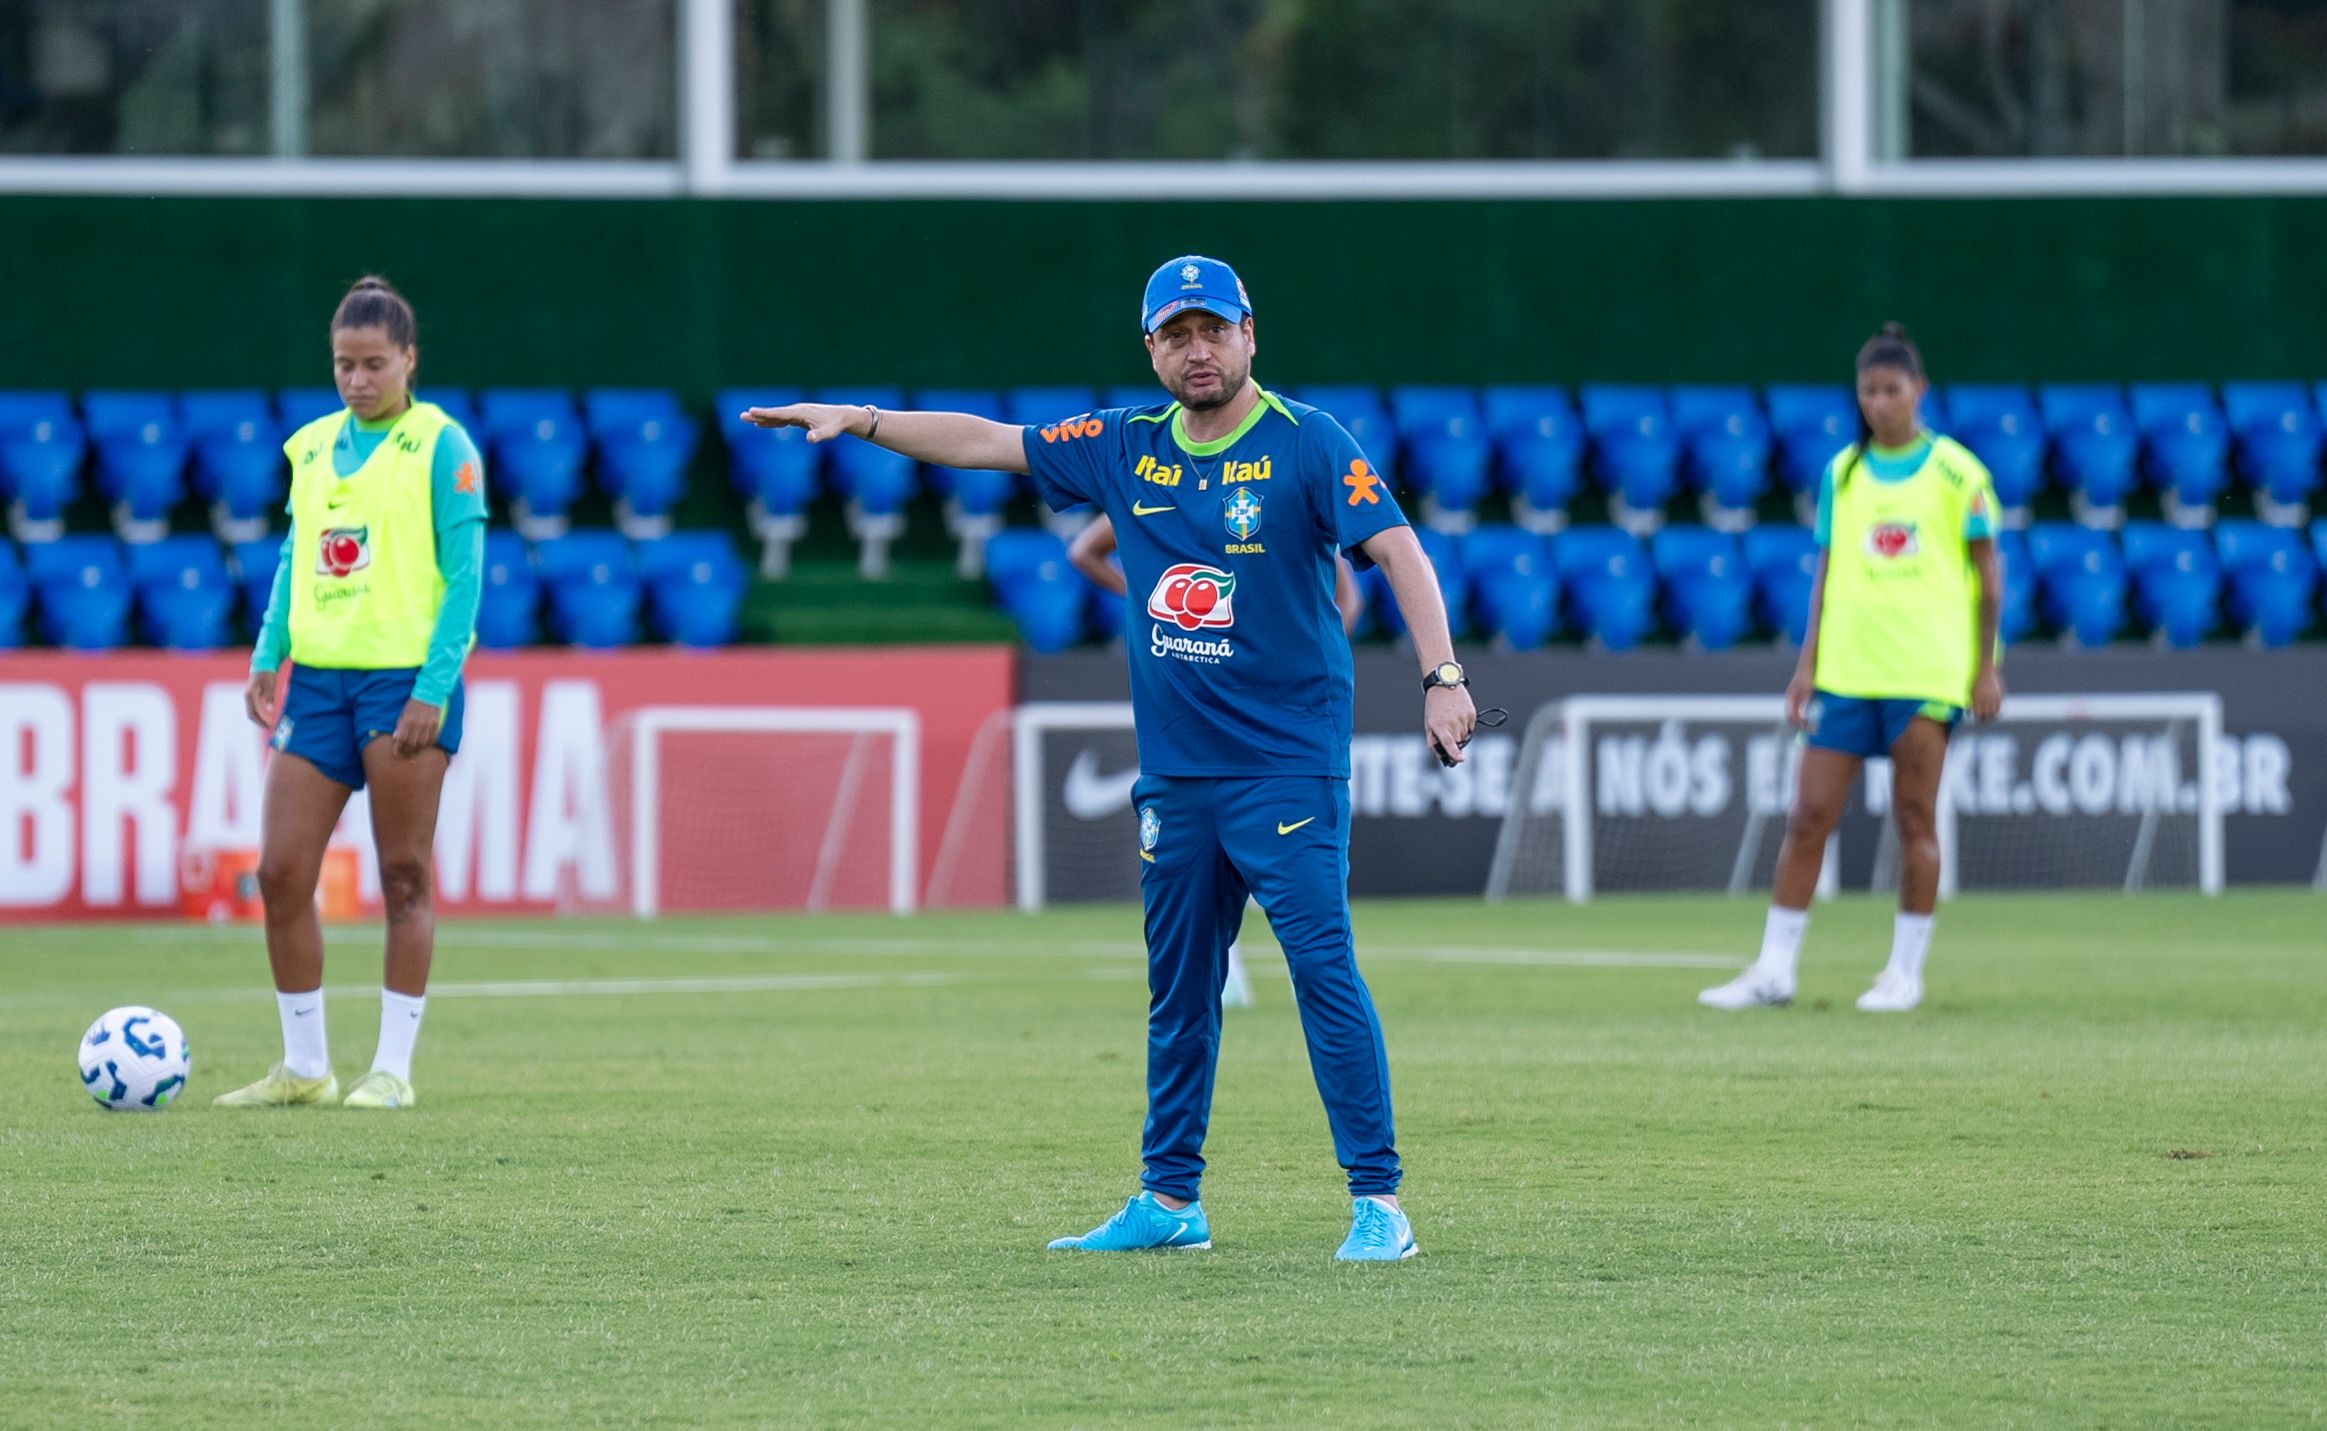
(693, 294)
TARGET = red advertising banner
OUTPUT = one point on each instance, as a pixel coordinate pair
(620, 782)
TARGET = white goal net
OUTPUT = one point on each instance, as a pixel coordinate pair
(1648, 793)
(759, 808)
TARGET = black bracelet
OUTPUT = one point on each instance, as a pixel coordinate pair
(876, 427)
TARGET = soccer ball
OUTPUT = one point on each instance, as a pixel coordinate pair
(134, 1059)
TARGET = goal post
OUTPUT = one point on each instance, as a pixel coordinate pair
(1690, 792)
(718, 820)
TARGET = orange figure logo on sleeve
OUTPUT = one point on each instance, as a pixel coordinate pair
(465, 480)
(1363, 482)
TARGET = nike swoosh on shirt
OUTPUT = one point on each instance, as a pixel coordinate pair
(1090, 795)
(1139, 511)
(1285, 829)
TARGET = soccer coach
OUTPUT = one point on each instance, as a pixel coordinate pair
(1229, 504)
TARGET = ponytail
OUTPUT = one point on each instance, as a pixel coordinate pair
(374, 303)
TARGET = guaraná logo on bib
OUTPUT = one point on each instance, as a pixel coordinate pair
(343, 550)
(1892, 539)
(1194, 597)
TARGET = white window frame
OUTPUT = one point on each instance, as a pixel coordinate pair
(706, 165)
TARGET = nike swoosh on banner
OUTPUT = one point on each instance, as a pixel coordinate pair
(1139, 511)
(1285, 829)
(1090, 795)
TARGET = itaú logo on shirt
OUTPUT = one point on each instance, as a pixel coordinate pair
(1194, 597)
(343, 550)
(1892, 539)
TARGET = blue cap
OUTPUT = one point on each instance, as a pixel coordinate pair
(1193, 281)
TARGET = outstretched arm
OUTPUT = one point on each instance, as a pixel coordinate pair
(1447, 713)
(949, 439)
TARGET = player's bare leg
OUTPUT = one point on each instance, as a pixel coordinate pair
(302, 806)
(1918, 759)
(1819, 791)
(405, 791)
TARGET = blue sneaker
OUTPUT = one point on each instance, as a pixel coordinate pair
(1376, 1234)
(1144, 1224)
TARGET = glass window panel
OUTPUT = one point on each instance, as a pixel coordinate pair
(149, 77)
(501, 79)
(779, 79)
(2104, 78)
(1357, 79)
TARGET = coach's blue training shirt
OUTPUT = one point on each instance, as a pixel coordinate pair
(1238, 663)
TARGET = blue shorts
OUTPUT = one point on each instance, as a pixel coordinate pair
(329, 716)
(1854, 725)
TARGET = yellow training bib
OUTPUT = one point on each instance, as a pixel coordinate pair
(1900, 619)
(365, 587)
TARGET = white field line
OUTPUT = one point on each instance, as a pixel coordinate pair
(586, 988)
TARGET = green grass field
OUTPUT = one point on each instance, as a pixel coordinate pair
(2085, 1186)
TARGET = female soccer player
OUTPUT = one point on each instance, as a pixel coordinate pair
(1902, 639)
(376, 603)
(1091, 552)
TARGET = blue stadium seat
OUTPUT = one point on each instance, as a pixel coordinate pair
(1033, 581)
(1707, 596)
(1812, 422)
(1611, 588)
(1453, 586)
(536, 445)
(508, 604)
(1998, 423)
(1514, 590)
(1148, 394)
(973, 492)
(238, 455)
(42, 446)
(2177, 581)
(644, 442)
(2185, 446)
(776, 470)
(141, 455)
(2018, 616)
(83, 560)
(1725, 442)
(2276, 440)
(1539, 449)
(456, 406)
(15, 597)
(560, 559)
(169, 561)
(695, 585)
(254, 563)
(1781, 559)
(1359, 410)
(1105, 613)
(875, 481)
(82, 610)
(2272, 575)
(297, 407)
(1634, 452)
(2094, 447)
(1039, 407)
(1444, 441)
(2081, 581)
(190, 612)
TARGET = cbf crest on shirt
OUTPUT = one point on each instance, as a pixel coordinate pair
(1238, 662)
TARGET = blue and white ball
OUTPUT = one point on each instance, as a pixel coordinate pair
(134, 1059)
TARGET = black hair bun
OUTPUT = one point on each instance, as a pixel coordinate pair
(1895, 330)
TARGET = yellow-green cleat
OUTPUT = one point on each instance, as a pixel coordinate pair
(380, 1089)
(282, 1088)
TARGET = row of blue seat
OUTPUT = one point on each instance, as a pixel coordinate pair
(1714, 588)
(1643, 445)
(181, 592)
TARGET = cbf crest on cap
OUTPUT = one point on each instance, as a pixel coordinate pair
(1193, 281)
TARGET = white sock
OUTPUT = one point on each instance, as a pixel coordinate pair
(1910, 941)
(305, 1052)
(1781, 941)
(399, 1030)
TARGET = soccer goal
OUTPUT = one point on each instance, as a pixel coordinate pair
(757, 808)
(1072, 767)
(1691, 793)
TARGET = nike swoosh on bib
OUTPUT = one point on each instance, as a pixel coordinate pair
(1285, 829)
(1090, 795)
(1139, 511)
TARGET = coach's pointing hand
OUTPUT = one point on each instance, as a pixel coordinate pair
(823, 420)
